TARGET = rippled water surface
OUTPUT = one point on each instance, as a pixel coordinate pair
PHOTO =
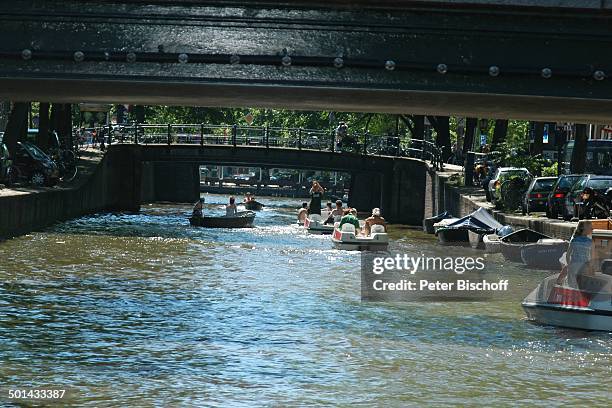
(144, 310)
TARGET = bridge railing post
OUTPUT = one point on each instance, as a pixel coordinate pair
(365, 143)
(423, 147)
(300, 139)
(169, 135)
(333, 141)
(267, 136)
(234, 134)
(201, 134)
(135, 132)
(110, 134)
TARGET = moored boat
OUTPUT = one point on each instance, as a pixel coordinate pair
(469, 230)
(348, 240)
(428, 223)
(512, 244)
(492, 243)
(544, 254)
(242, 219)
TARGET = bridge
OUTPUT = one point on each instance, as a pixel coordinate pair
(164, 166)
(540, 60)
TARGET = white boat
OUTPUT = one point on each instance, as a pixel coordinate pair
(348, 240)
(544, 254)
(315, 224)
(492, 243)
(589, 308)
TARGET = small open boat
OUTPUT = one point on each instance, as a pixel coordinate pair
(242, 219)
(253, 205)
(469, 230)
(492, 243)
(544, 254)
(428, 223)
(587, 308)
(443, 223)
(512, 244)
(348, 240)
(314, 223)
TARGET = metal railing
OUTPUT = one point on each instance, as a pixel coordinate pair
(264, 136)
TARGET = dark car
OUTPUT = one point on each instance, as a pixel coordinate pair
(556, 199)
(34, 165)
(536, 197)
(572, 201)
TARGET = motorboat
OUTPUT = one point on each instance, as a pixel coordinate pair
(587, 308)
(315, 224)
(428, 223)
(469, 230)
(512, 244)
(242, 219)
(347, 239)
(253, 205)
(443, 223)
(544, 254)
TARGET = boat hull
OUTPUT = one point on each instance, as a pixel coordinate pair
(476, 239)
(253, 206)
(350, 242)
(570, 317)
(491, 243)
(512, 252)
(543, 256)
(453, 236)
(245, 221)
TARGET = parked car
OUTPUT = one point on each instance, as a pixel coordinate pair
(502, 174)
(556, 199)
(53, 141)
(34, 165)
(572, 200)
(536, 197)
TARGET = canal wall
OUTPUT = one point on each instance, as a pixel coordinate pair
(109, 183)
(443, 194)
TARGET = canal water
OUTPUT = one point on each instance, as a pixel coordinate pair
(144, 310)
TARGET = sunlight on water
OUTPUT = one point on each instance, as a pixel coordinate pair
(143, 309)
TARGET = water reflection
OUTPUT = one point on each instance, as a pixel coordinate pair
(143, 309)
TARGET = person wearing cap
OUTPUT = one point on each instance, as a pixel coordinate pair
(375, 219)
(198, 208)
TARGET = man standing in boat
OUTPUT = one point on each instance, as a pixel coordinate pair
(375, 219)
(316, 195)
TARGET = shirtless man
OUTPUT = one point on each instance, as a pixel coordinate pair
(375, 219)
(302, 213)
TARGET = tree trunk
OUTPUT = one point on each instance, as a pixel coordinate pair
(442, 126)
(419, 127)
(538, 134)
(499, 133)
(468, 141)
(42, 139)
(578, 164)
(17, 126)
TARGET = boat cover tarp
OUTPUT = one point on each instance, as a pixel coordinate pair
(479, 220)
(524, 236)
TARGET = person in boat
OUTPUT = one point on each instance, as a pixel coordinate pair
(375, 219)
(303, 213)
(579, 254)
(248, 197)
(336, 212)
(316, 195)
(198, 208)
(231, 210)
(350, 217)
(328, 207)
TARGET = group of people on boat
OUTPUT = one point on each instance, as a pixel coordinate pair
(346, 215)
(231, 209)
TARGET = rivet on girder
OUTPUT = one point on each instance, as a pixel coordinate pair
(494, 70)
(390, 65)
(130, 57)
(79, 56)
(546, 73)
(235, 59)
(183, 58)
(599, 75)
(286, 61)
(442, 68)
(26, 54)
(338, 62)
(106, 55)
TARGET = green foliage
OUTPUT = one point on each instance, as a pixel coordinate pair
(516, 154)
(550, 171)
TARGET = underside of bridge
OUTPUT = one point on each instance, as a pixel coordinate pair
(540, 60)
